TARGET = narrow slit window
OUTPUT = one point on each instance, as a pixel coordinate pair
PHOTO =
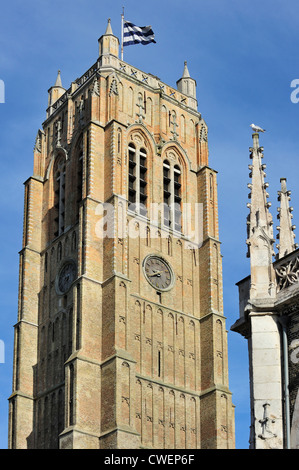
(71, 396)
(159, 363)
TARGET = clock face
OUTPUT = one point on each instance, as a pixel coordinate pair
(158, 273)
(66, 277)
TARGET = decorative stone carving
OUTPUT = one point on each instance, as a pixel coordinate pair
(58, 133)
(38, 145)
(95, 87)
(141, 108)
(265, 423)
(113, 87)
(287, 274)
(203, 134)
(175, 125)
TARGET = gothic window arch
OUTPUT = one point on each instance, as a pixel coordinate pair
(137, 177)
(177, 198)
(172, 197)
(164, 119)
(149, 111)
(79, 183)
(59, 196)
(166, 192)
(120, 95)
(183, 128)
(130, 101)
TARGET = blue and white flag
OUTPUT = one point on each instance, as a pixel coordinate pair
(137, 35)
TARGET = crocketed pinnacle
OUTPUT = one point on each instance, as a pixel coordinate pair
(260, 215)
(285, 229)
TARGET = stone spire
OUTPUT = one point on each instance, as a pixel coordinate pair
(259, 226)
(186, 73)
(109, 28)
(58, 80)
(286, 235)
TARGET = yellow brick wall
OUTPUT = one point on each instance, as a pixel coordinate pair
(149, 370)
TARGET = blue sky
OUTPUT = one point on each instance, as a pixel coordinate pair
(243, 55)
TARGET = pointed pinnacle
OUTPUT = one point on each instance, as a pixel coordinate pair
(286, 228)
(58, 80)
(186, 73)
(109, 29)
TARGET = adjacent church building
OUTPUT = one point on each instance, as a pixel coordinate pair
(269, 314)
(120, 340)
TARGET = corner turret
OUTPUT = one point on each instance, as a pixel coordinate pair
(54, 93)
(187, 86)
(108, 43)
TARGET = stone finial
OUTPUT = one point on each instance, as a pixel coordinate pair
(109, 28)
(186, 73)
(58, 82)
(286, 228)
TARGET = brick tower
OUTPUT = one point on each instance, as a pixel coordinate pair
(120, 340)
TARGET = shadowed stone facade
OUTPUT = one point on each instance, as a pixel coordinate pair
(107, 354)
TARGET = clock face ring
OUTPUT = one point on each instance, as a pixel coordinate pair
(66, 277)
(158, 272)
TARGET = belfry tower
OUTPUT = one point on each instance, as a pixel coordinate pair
(120, 340)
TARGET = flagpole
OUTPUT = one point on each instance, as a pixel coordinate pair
(122, 34)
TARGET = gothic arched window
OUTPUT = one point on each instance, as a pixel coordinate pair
(172, 195)
(166, 192)
(132, 174)
(137, 178)
(79, 183)
(177, 198)
(59, 196)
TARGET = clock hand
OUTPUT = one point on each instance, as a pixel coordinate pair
(157, 273)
